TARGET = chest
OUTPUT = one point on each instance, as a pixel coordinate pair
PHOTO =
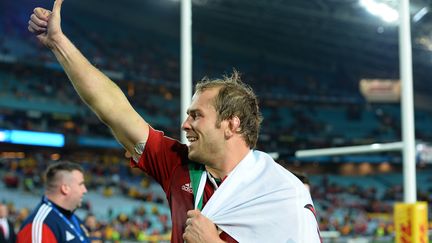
(181, 198)
(66, 231)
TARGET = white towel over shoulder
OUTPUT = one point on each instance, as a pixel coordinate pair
(260, 201)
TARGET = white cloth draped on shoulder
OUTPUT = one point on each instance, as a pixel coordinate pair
(260, 201)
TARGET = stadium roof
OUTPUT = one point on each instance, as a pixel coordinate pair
(335, 36)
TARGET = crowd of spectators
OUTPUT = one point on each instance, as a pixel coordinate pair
(357, 208)
(300, 111)
(50, 104)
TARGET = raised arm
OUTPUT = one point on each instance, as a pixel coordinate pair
(100, 93)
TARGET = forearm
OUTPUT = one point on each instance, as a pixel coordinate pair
(95, 88)
(101, 94)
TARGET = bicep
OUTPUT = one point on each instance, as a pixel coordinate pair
(128, 127)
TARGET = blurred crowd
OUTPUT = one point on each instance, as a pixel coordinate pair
(41, 99)
(300, 110)
(357, 208)
(360, 209)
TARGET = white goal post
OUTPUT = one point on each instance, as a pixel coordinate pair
(360, 149)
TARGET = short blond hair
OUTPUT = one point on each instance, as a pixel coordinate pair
(235, 98)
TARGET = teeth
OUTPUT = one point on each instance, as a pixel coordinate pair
(191, 139)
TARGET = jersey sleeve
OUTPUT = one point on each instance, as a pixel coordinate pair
(36, 234)
(160, 157)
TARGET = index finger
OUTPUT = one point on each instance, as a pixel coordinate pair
(57, 6)
(42, 13)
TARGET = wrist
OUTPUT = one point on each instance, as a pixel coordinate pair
(57, 41)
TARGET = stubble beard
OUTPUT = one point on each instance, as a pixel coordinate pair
(196, 155)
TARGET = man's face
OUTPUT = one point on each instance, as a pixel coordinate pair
(206, 141)
(77, 189)
(91, 222)
(3, 211)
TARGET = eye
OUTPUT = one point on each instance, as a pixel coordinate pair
(195, 115)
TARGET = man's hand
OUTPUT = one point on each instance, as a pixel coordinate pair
(200, 229)
(46, 24)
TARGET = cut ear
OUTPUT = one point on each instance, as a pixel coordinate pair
(233, 127)
(235, 124)
(64, 189)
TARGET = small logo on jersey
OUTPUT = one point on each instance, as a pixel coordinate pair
(69, 236)
(187, 188)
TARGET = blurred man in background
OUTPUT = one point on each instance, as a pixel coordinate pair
(54, 220)
(95, 233)
(7, 230)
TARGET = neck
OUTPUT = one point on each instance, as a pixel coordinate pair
(221, 169)
(59, 201)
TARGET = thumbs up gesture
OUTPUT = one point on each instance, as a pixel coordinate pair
(46, 24)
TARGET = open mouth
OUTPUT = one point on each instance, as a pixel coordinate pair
(191, 139)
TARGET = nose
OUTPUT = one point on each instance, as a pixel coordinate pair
(186, 124)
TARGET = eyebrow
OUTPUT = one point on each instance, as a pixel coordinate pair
(192, 111)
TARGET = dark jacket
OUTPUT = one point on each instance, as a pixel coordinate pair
(12, 235)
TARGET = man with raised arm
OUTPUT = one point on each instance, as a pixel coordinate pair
(218, 187)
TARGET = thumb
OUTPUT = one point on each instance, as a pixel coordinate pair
(57, 7)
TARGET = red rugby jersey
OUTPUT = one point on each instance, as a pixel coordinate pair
(165, 159)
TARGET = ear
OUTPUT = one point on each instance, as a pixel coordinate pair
(233, 126)
(64, 189)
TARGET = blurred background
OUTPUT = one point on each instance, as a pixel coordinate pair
(304, 59)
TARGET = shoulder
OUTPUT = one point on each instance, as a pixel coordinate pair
(157, 141)
(277, 171)
(36, 233)
(39, 224)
